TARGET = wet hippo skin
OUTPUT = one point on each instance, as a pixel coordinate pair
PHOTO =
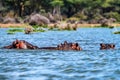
(107, 46)
(22, 44)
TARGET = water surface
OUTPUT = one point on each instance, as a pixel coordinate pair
(89, 64)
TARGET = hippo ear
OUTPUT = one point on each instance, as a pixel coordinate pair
(58, 45)
(77, 44)
(113, 45)
(17, 40)
(65, 42)
(101, 44)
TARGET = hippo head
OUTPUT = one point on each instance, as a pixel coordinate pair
(22, 45)
(111, 46)
(78, 47)
(14, 44)
(75, 46)
(103, 46)
(19, 44)
(107, 46)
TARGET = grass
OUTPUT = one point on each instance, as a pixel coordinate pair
(37, 26)
(116, 32)
(39, 30)
(10, 32)
(14, 30)
(17, 27)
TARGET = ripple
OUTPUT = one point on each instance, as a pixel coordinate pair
(89, 64)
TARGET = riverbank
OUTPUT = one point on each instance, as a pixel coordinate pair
(20, 25)
(98, 25)
(15, 25)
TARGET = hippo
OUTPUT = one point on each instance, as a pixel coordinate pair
(69, 46)
(106, 46)
(22, 44)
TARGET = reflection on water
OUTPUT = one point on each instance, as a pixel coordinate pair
(89, 64)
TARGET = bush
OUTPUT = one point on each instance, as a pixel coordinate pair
(115, 15)
(80, 16)
(38, 28)
(97, 16)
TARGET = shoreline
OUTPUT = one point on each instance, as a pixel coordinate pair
(22, 25)
(15, 25)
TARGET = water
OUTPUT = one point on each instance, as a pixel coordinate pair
(89, 64)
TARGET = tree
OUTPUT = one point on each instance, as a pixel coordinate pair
(57, 7)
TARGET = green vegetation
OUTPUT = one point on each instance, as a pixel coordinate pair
(80, 9)
(10, 32)
(117, 32)
(44, 28)
(14, 30)
(38, 28)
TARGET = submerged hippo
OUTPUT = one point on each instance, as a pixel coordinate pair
(106, 46)
(68, 46)
(22, 44)
(64, 46)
